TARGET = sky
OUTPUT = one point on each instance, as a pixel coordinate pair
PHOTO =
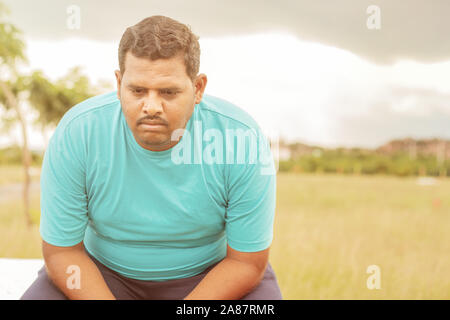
(328, 73)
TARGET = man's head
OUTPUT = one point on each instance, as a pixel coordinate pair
(158, 80)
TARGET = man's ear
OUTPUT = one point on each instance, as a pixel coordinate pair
(118, 81)
(199, 86)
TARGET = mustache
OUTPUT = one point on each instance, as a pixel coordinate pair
(153, 120)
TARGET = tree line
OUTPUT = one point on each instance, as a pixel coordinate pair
(367, 162)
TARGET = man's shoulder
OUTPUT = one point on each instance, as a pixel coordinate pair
(88, 107)
(229, 113)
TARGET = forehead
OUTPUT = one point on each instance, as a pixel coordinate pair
(145, 72)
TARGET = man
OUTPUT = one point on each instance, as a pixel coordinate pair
(135, 204)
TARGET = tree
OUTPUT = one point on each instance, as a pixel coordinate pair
(11, 53)
(51, 100)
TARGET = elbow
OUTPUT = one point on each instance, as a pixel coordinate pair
(51, 253)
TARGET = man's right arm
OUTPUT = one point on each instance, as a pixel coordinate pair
(57, 262)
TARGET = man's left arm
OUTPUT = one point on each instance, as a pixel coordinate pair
(232, 278)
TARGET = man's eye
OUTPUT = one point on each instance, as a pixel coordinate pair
(137, 91)
(169, 92)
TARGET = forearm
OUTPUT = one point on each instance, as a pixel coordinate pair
(92, 285)
(228, 280)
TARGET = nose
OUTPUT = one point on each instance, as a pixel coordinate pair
(152, 104)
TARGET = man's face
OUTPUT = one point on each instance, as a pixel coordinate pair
(157, 97)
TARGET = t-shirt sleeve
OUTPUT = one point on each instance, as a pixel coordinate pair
(63, 193)
(250, 210)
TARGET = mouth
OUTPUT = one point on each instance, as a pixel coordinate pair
(152, 125)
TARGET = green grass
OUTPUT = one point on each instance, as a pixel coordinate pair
(328, 230)
(16, 239)
(15, 174)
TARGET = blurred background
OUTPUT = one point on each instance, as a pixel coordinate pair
(357, 94)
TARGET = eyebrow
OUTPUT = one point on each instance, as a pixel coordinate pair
(133, 86)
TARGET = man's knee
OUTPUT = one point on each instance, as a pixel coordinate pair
(43, 289)
(267, 289)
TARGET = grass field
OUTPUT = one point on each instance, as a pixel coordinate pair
(328, 230)
(15, 174)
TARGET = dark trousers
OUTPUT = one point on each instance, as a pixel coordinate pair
(124, 288)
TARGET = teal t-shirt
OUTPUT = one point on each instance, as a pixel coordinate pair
(158, 215)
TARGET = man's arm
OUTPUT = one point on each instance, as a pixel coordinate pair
(232, 278)
(92, 284)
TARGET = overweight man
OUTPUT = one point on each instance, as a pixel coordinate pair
(157, 191)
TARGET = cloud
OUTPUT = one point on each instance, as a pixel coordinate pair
(420, 101)
(319, 91)
(325, 96)
(410, 29)
(398, 112)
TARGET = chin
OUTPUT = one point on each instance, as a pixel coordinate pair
(155, 142)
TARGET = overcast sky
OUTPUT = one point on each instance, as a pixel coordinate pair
(309, 70)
